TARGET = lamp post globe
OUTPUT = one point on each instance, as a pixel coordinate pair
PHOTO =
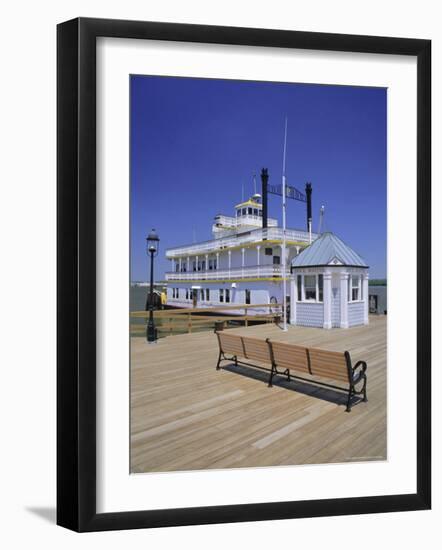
(152, 248)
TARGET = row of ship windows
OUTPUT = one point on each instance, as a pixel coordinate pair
(311, 288)
(203, 294)
(249, 212)
(198, 266)
(212, 263)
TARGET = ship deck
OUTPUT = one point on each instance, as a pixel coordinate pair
(185, 415)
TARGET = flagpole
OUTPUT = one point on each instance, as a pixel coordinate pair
(284, 282)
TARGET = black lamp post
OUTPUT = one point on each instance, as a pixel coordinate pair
(152, 247)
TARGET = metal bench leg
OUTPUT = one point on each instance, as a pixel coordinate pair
(219, 360)
(272, 372)
(364, 389)
(350, 393)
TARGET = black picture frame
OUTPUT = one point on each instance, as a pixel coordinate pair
(76, 274)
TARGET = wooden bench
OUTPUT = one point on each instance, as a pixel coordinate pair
(281, 358)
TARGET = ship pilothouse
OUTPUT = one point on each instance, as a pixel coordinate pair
(243, 262)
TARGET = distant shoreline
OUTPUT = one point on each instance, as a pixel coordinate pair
(377, 282)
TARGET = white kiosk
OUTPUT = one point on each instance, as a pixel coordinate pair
(329, 285)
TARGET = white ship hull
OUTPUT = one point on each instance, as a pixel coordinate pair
(209, 295)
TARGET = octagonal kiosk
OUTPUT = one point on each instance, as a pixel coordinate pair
(329, 285)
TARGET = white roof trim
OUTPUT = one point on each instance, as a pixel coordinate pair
(335, 261)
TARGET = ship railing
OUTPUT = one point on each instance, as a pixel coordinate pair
(248, 219)
(249, 272)
(255, 235)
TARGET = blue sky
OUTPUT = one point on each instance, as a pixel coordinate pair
(196, 142)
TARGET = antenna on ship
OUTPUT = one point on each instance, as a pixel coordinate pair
(284, 259)
(321, 217)
(254, 184)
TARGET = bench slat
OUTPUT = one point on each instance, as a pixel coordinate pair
(329, 356)
(331, 375)
(332, 359)
(321, 362)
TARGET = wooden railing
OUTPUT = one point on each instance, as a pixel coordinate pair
(173, 321)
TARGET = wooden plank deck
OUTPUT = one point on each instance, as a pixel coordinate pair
(185, 415)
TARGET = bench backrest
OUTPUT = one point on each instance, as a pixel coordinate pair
(257, 350)
(231, 343)
(328, 364)
(290, 356)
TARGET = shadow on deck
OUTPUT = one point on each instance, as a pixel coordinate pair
(338, 397)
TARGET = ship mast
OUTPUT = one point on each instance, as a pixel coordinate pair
(284, 282)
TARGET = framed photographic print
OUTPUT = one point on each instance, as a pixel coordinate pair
(243, 274)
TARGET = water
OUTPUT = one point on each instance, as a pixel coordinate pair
(137, 302)
(138, 295)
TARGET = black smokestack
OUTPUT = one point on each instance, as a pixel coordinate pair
(308, 194)
(264, 180)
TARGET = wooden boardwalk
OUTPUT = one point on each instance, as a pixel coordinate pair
(185, 415)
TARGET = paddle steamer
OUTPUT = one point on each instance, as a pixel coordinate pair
(242, 264)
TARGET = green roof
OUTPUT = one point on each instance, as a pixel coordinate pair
(328, 249)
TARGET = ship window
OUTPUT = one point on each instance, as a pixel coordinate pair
(250, 211)
(276, 260)
(215, 264)
(227, 295)
(260, 213)
(247, 291)
(238, 212)
(310, 287)
(177, 267)
(194, 265)
(187, 293)
(207, 294)
(268, 251)
(320, 288)
(203, 265)
(202, 294)
(221, 295)
(255, 211)
(355, 290)
(244, 211)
